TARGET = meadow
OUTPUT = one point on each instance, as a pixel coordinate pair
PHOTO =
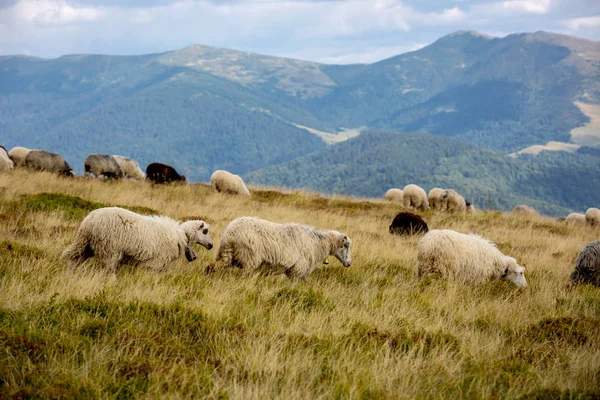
(368, 331)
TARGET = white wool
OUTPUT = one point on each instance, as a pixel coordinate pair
(130, 168)
(575, 219)
(395, 195)
(415, 197)
(224, 181)
(592, 216)
(451, 201)
(434, 198)
(522, 209)
(5, 161)
(299, 249)
(18, 155)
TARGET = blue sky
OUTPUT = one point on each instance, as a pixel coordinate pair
(329, 31)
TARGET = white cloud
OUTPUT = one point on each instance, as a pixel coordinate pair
(51, 12)
(370, 56)
(527, 6)
(576, 24)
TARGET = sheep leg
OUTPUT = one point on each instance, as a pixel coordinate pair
(112, 261)
(224, 258)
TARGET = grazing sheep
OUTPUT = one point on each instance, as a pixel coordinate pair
(226, 182)
(592, 217)
(395, 196)
(470, 207)
(102, 165)
(469, 258)
(406, 223)
(251, 242)
(415, 197)
(525, 210)
(587, 266)
(434, 198)
(130, 168)
(18, 155)
(575, 219)
(41, 160)
(451, 201)
(113, 234)
(162, 173)
(5, 162)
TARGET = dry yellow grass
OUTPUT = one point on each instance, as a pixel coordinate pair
(370, 331)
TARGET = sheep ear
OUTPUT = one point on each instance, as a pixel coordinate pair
(201, 225)
(505, 272)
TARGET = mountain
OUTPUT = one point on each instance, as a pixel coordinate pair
(202, 108)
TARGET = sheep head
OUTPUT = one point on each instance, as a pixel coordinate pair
(514, 273)
(342, 249)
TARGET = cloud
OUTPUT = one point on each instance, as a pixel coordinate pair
(576, 24)
(370, 56)
(51, 12)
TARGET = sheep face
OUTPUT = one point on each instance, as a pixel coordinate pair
(342, 252)
(514, 273)
(203, 236)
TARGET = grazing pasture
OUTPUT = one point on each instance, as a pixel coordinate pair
(368, 331)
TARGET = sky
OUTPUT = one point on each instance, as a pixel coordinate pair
(327, 31)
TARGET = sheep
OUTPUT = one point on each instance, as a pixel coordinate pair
(18, 155)
(406, 223)
(41, 160)
(250, 242)
(470, 207)
(468, 258)
(522, 209)
(161, 173)
(415, 197)
(5, 162)
(451, 201)
(575, 219)
(130, 168)
(102, 165)
(223, 181)
(433, 198)
(113, 235)
(587, 266)
(592, 217)
(395, 196)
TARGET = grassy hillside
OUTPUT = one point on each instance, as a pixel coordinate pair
(369, 331)
(374, 162)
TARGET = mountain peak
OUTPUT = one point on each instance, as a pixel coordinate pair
(467, 33)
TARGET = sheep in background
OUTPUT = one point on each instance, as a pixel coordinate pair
(41, 160)
(102, 165)
(251, 242)
(470, 207)
(394, 195)
(451, 201)
(434, 198)
(130, 168)
(525, 210)
(114, 234)
(469, 258)
(161, 173)
(587, 266)
(5, 162)
(226, 182)
(592, 217)
(415, 197)
(406, 223)
(575, 219)
(18, 155)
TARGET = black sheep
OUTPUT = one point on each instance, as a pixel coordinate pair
(406, 223)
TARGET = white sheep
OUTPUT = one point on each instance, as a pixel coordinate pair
(451, 201)
(113, 234)
(524, 210)
(469, 258)
(5, 162)
(224, 181)
(18, 155)
(434, 198)
(130, 168)
(394, 195)
(250, 242)
(575, 219)
(592, 216)
(415, 197)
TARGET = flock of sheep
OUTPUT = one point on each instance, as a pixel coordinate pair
(115, 235)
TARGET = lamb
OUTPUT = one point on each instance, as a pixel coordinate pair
(18, 155)
(41, 160)
(415, 197)
(5, 162)
(587, 266)
(223, 181)
(525, 210)
(102, 165)
(250, 243)
(592, 217)
(575, 219)
(130, 168)
(395, 196)
(113, 235)
(406, 223)
(451, 201)
(434, 198)
(469, 258)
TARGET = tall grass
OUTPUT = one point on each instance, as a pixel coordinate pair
(369, 331)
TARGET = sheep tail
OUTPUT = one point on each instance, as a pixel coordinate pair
(77, 252)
